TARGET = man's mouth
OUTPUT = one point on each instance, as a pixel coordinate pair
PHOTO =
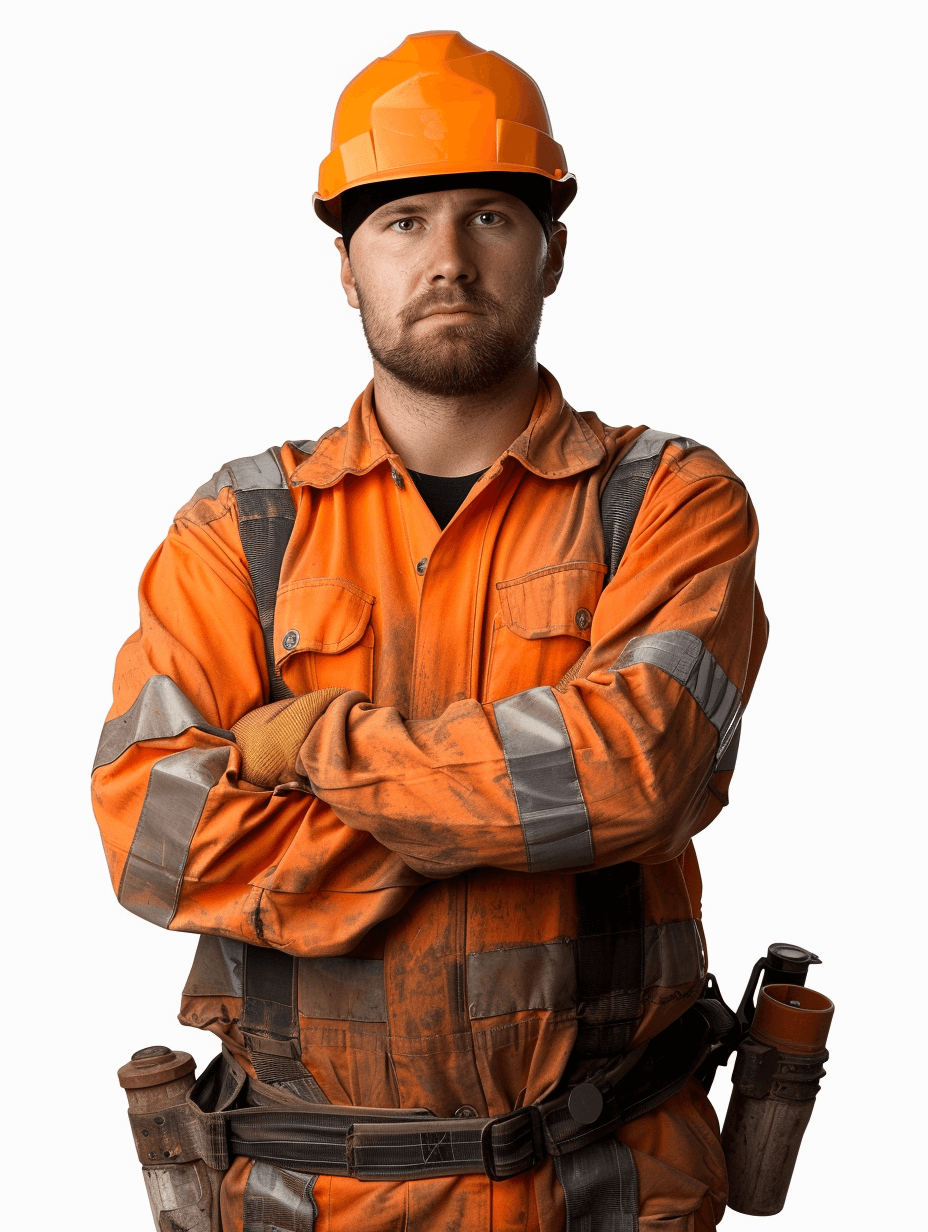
(450, 312)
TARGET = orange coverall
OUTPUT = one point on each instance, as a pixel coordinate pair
(434, 926)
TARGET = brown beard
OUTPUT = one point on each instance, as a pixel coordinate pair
(469, 358)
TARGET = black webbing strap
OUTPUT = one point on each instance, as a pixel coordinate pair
(610, 958)
(265, 523)
(265, 520)
(600, 1187)
(621, 498)
(270, 1022)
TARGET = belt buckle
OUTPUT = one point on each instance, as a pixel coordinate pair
(538, 1142)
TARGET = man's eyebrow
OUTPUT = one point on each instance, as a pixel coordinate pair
(410, 205)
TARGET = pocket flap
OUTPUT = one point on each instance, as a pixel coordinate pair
(326, 615)
(547, 602)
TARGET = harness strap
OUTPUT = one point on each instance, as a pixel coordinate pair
(265, 523)
(406, 1144)
(622, 496)
(270, 1023)
(600, 1187)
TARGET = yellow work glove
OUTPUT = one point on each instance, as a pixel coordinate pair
(271, 736)
(571, 674)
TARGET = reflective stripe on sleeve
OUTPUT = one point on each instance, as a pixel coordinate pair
(553, 815)
(177, 790)
(159, 712)
(683, 656)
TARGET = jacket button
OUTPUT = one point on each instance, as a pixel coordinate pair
(397, 478)
(422, 565)
(465, 1110)
(583, 618)
(290, 638)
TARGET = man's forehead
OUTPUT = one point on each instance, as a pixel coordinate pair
(462, 199)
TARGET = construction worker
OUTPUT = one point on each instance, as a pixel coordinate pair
(421, 719)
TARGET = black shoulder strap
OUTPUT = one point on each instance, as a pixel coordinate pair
(265, 523)
(623, 494)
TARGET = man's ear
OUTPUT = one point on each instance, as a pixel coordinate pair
(554, 267)
(348, 282)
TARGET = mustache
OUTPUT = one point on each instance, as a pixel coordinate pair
(464, 298)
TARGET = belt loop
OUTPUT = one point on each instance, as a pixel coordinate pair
(530, 1114)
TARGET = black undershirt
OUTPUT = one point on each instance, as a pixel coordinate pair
(444, 494)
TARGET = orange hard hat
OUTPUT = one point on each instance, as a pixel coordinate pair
(439, 105)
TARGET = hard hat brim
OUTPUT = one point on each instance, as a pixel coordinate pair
(563, 190)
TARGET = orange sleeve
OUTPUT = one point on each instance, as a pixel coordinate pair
(191, 846)
(627, 763)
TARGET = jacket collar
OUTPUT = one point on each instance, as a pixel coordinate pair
(556, 442)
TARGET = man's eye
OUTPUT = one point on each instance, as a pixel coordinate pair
(488, 219)
(404, 224)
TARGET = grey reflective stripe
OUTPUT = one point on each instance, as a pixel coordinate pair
(555, 822)
(217, 969)
(683, 656)
(673, 954)
(304, 446)
(651, 444)
(543, 976)
(177, 790)
(348, 989)
(159, 712)
(278, 1200)
(263, 471)
(526, 977)
(622, 497)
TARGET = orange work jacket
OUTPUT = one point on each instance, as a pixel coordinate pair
(492, 883)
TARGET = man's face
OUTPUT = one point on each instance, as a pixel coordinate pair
(450, 286)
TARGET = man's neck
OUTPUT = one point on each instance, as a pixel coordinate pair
(453, 435)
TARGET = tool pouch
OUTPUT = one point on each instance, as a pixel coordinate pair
(182, 1189)
(777, 1073)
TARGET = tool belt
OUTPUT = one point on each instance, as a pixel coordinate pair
(230, 1114)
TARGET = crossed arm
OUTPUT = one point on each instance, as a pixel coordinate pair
(621, 765)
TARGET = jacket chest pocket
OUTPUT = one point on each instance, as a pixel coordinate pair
(542, 626)
(323, 635)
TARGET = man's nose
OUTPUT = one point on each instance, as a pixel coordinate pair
(449, 256)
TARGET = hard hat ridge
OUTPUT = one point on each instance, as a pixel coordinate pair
(439, 105)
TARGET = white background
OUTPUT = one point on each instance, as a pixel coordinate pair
(747, 265)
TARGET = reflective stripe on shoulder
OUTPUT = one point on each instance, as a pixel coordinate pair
(683, 656)
(177, 790)
(262, 471)
(552, 812)
(160, 711)
(651, 444)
